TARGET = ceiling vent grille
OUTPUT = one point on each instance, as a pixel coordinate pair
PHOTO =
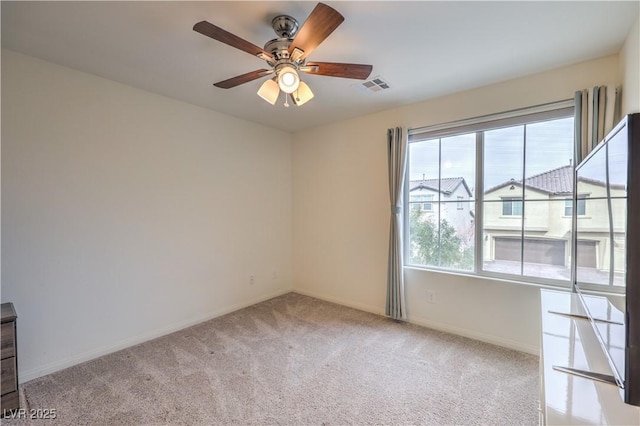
(375, 84)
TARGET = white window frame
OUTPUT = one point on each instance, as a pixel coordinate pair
(568, 203)
(428, 201)
(423, 200)
(478, 125)
(512, 202)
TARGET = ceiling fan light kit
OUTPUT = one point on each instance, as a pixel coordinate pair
(302, 95)
(288, 79)
(269, 91)
(286, 55)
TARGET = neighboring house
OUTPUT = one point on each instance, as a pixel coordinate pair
(455, 205)
(547, 221)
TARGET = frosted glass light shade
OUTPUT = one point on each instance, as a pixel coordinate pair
(288, 79)
(269, 91)
(303, 94)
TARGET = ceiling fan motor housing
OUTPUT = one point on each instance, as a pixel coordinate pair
(285, 26)
(278, 47)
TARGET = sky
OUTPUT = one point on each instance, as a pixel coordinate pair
(595, 166)
(549, 145)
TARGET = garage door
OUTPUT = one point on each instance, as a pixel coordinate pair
(508, 249)
(547, 252)
(586, 254)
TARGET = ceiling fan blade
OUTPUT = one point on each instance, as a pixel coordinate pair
(241, 79)
(322, 21)
(217, 33)
(337, 69)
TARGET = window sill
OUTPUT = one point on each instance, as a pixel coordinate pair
(542, 283)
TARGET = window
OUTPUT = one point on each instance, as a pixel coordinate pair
(500, 185)
(425, 201)
(581, 204)
(512, 207)
(443, 236)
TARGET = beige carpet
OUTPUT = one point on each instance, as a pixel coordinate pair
(295, 360)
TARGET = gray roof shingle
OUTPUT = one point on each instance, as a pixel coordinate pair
(555, 182)
(447, 185)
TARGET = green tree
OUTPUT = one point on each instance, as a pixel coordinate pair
(430, 248)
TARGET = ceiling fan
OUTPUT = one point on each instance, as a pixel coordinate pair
(287, 55)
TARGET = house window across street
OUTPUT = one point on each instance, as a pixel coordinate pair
(580, 204)
(424, 200)
(502, 195)
(512, 206)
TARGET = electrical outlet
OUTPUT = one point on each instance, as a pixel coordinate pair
(252, 279)
(431, 296)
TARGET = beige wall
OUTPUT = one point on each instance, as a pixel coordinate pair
(548, 220)
(127, 215)
(549, 217)
(630, 71)
(341, 212)
(537, 214)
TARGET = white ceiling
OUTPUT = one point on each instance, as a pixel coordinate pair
(423, 49)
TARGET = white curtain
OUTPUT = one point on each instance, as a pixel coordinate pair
(597, 112)
(397, 157)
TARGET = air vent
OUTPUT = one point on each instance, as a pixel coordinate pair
(376, 84)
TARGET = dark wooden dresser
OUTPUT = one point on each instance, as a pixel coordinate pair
(9, 364)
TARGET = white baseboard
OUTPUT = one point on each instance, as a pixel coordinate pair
(471, 334)
(34, 373)
(355, 305)
(487, 338)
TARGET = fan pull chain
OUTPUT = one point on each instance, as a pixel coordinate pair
(286, 100)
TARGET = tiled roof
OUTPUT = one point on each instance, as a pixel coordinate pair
(447, 185)
(556, 182)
